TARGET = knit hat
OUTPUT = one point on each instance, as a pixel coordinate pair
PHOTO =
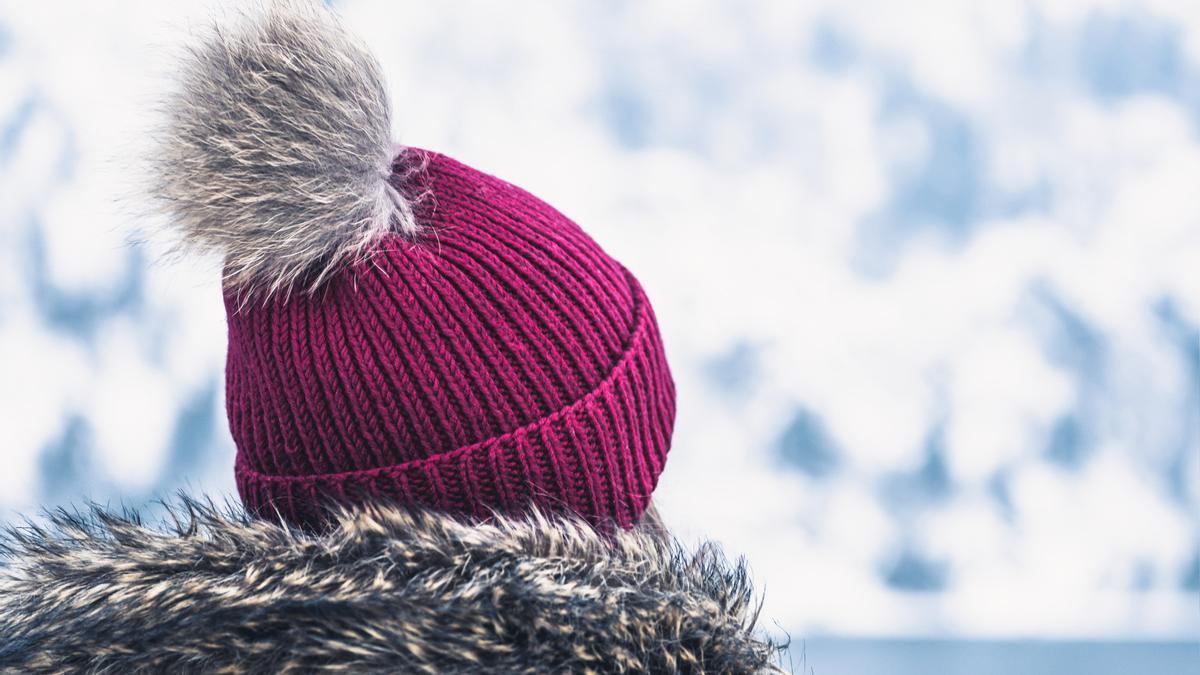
(401, 326)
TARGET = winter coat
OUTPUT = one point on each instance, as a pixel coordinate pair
(383, 589)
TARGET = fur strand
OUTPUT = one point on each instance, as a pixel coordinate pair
(277, 149)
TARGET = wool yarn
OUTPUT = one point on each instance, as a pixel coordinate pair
(401, 326)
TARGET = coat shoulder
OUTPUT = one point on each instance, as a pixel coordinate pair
(382, 589)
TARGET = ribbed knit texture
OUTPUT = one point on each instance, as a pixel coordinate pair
(499, 359)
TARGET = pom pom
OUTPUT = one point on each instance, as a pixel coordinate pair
(276, 150)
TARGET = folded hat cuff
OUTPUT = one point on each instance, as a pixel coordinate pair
(600, 456)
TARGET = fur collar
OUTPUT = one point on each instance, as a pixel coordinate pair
(383, 589)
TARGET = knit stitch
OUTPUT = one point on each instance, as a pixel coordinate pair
(499, 358)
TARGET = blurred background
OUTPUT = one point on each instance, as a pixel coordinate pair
(929, 275)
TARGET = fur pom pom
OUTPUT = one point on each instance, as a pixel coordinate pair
(277, 150)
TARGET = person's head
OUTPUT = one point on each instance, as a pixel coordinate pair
(401, 326)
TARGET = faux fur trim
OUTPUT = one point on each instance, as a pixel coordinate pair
(383, 589)
(276, 149)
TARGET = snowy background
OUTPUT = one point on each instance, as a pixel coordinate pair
(929, 274)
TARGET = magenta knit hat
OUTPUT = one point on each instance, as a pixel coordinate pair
(401, 326)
